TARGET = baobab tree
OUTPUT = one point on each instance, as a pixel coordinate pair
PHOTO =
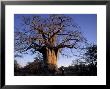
(48, 35)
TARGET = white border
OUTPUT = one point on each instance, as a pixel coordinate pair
(100, 10)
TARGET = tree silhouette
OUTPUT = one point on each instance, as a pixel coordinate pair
(48, 35)
(91, 54)
(16, 66)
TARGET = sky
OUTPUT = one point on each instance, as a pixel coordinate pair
(88, 24)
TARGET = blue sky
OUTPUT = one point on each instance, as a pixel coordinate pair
(88, 24)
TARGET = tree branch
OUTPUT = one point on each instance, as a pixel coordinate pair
(34, 46)
(67, 46)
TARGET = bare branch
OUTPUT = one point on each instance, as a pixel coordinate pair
(54, 31)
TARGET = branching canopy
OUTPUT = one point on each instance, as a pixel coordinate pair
(53, 31)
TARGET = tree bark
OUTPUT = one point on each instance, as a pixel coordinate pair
(50, 55)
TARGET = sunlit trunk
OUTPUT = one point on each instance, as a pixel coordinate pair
(50, 56)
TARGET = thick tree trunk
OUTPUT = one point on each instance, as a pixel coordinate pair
(50, 55)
